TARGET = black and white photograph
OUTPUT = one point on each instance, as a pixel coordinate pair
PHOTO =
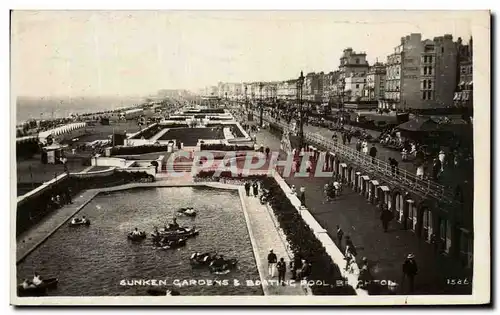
(250, 157)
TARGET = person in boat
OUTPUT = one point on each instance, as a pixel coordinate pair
(37, 280)
(84, 219)
(27, 285)
(136, 232)
(219, 262)
(174, 225)
(155, 231)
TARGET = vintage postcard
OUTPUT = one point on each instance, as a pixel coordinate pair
(245, 157)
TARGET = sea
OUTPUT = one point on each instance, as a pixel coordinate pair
(59, 107)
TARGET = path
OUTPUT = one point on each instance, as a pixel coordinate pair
(385, 251)
(267, 237)
(32, 238)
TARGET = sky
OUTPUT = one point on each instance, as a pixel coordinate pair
(84, 53)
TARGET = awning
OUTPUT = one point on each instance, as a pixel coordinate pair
(470, 83)
(411, 201)
(456, 96)
(358, 173)
(343, 165)
(462, 83)
(365, 177)
(384, 188)
(375, 182)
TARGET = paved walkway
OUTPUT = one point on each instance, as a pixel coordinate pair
(385, 251)
(32, 238)
(266, 236)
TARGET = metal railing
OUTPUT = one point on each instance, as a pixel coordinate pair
(425, 187)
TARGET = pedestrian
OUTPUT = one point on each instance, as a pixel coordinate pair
(326, 191)
(364, 146)
(349, 246)
(340, 235)
(420, 170)
(442, 159)
(373, 153)
(337, 188)
(255, 188)
(404, 155)
(272, 259)
(302, 196)
(267, 152)
(349, 136)
(365, 276)
(281, 266)
(436, 169)
(394, 166)
(297, 266)
(358, 146)
(410, 270)
(344, 138)
(247, 188)
(305, 271)
(386, 216)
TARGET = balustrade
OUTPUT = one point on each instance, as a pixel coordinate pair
(422, 186)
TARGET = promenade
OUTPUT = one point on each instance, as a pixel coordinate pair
(262, 230)
(385, 251)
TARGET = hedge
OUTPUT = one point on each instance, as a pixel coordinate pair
(303, 241)
(228, 174)
(223, 147)
(148, 132)
(142, 149)
(35, 209)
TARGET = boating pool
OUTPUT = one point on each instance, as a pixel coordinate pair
(92, 261)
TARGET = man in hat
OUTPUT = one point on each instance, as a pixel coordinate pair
(272, 259)
(410, 271)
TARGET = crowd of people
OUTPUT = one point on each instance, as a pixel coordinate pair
(300, 269)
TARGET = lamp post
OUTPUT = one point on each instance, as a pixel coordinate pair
(300, 84)
(246, 98)
(342, 86)
(261, 109)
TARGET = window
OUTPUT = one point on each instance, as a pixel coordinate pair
(425, 58)
(423, 95)
(430, 59)
(425, 84)
(442, 49)
(357, 60)
(425, 70)
(357, 86)
(429, 84)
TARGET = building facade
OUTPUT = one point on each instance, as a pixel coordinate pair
(352, 74)
(286, 90)
(464, 89)
(313, 87)
(421, 74)
(375, 82)
(330, 89)
(354, 87)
